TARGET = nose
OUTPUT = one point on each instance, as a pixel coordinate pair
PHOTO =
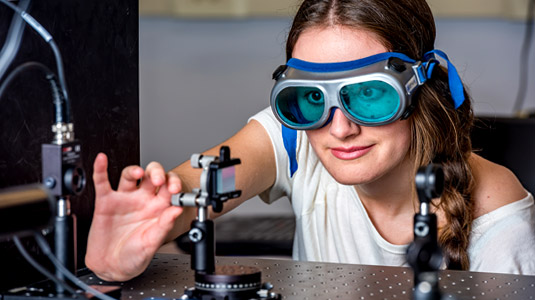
(341, 127)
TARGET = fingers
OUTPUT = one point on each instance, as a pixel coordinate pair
(174, 184)
(100, 174)
(154, 177)
(156, 173)
(129, 178)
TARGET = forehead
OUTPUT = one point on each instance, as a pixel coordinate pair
(336, 44)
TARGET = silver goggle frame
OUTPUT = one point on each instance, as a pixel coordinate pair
(404, 77)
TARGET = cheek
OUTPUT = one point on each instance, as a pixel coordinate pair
(398, 136)
(316, 136)
(404, 132)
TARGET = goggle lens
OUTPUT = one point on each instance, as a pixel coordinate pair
(300, 106)
(370, 101)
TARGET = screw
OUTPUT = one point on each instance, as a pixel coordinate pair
(195, 235)
(50, 183)
(421, 229)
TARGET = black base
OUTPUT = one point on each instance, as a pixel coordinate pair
(231, 283)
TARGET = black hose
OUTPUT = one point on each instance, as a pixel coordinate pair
(13, 39)
(59, 102)
(48, 38)
(41, 242)
(40, 268)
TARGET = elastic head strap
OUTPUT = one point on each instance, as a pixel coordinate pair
(346, 65)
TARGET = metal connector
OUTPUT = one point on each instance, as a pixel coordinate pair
(63, 133)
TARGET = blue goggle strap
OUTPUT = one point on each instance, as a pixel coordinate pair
(346, 65)
(423, 72)
(454, 81)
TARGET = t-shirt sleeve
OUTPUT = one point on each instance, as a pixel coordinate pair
(281, 187)
(503, 241)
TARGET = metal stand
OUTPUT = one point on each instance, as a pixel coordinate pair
(65, 239)
(64, 176)
(222, 282)
(424, 254)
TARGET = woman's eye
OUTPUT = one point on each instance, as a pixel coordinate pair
(314, 97)
(371, 93)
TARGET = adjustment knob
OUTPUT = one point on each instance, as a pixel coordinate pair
(396, 64)
(195, 160)
(429, 180)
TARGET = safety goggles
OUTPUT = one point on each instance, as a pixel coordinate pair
(373, 91)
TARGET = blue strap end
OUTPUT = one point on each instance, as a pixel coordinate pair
(289, 138)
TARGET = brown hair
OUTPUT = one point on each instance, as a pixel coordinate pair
(440, 133)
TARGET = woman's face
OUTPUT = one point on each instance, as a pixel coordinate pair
(351, 153)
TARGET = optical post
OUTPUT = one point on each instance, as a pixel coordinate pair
(424, 254)
(222, 282)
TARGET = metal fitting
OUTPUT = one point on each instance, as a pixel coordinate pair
(63, 133)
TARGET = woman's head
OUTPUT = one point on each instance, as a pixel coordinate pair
(437, 131)
(353, 154)
(404, 26)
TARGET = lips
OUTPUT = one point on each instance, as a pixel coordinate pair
(351, 152)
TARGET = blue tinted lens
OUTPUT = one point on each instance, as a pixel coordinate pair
(300, 106)
(370, 101)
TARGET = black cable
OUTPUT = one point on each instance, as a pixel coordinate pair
(57, 55)
(524, 60)
(60, 104)
(41, 242)
(40, 268)
(13, 39)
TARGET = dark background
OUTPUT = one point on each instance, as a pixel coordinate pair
(98, 40)
(509, 142)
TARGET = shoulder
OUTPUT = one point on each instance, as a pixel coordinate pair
(267, 119)
(503, 241)
(494, 186)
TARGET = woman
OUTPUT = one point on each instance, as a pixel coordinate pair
(348, 170)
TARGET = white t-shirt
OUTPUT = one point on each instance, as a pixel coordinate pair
(332, 224)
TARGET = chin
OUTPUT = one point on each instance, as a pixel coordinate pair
(350, 176)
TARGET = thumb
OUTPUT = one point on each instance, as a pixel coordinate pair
(168, 217)
(159, 230)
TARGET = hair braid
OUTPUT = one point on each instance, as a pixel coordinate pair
(449, 146)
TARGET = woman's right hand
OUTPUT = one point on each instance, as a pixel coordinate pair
(131, 223)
